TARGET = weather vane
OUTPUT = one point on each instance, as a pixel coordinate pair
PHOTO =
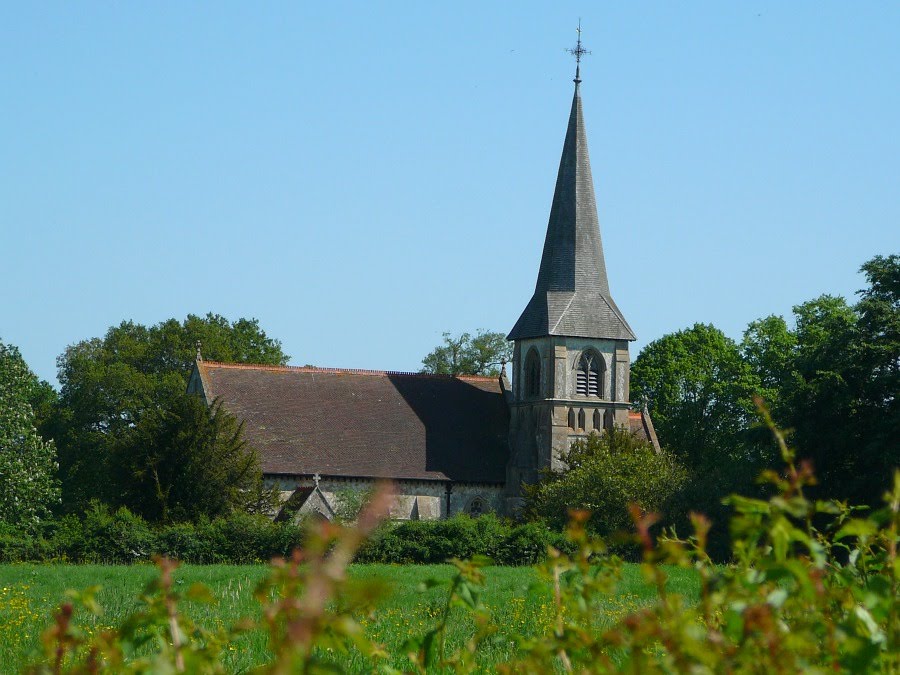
(578, 52)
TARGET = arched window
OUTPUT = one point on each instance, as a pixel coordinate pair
(609, 419)
(532, 374)
(477, 507)
(589, 374)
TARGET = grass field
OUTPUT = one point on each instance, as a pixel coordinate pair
(30, 593)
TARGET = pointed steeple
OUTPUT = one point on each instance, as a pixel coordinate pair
(572, 297)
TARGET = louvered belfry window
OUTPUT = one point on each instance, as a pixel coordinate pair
(588, 376)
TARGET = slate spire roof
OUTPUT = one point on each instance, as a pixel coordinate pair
(572, 295)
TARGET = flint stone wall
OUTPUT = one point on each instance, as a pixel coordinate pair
(415, 500)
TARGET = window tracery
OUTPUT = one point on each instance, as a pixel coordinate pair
(589, 374)
(477, 507)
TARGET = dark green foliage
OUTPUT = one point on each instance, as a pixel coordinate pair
(843, 399)
(238, 539)
(832, 379)
(605, 474)
(768, 348)
(436, 541)
(19, 545)
(103, 535)
(527, 544)
(699, 390)
(700, 393)
(184, 461)
(109, 384)
(468, 355)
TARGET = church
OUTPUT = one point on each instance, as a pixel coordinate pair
(462, 444)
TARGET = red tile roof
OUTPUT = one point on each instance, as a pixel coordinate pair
(641, 425)
(366, 423)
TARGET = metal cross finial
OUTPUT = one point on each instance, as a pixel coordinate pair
(578, 52)
(316, 479)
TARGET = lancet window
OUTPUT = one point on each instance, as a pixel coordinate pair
(532, 374)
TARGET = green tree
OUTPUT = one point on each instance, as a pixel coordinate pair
(109, 384)
(769, 348)
(28, 484)
(187, 460)
(465, 354)
(842, 401)
(878, 369)
(605, 473)
(700, 393)
(817, 401)
(832, 379)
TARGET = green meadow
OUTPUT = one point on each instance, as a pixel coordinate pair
(517, 598)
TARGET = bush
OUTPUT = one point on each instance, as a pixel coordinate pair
(102, 535)
(109, 537)
(243, 538)
(437, 541)
(120, 537)
(606, 472)
(527, 544)
(18, 545)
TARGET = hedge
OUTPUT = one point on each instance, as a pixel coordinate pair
(102, 535)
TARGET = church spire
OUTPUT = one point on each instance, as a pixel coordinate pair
(572, 295)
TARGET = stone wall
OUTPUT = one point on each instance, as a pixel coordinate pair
(415, 500)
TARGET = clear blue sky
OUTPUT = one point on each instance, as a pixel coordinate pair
(362, 177)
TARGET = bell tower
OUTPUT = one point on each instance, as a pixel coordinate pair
(570, 360)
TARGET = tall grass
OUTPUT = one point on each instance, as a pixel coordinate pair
(521, 606)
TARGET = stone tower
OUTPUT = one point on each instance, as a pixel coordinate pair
(570, 361)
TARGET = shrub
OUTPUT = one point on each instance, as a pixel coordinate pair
(18, 545)
(528, 543)
(108, 536)
(438, 541)
(605, 473)
(182, 541)
(105, 536)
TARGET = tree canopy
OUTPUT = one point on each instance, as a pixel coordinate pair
(186, 460)
(466, 354)
(700, 392)
(109, 384)
(29, 488)
(831, 377)
(841, 394)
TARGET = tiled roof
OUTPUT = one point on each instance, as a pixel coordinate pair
(572, 295)
(641, 425)
(366, 423)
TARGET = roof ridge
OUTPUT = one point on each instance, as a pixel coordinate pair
(342, 371)
(615, 310)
